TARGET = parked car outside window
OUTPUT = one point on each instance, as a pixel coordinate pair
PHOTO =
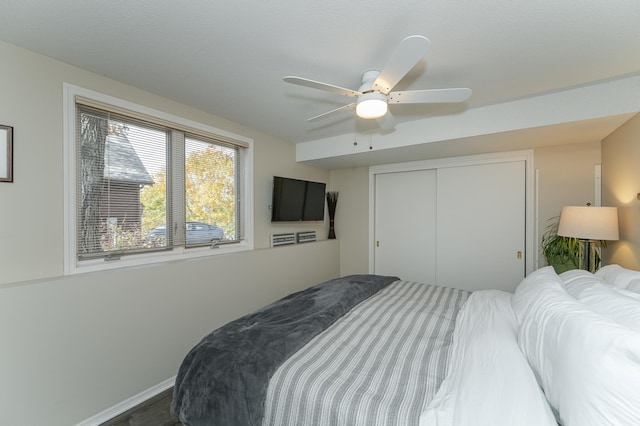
(197, 233)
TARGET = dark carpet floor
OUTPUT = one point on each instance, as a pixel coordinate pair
(154, 412)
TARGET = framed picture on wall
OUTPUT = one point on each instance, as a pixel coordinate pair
(6, 153)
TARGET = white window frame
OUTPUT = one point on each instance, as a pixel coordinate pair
(71, 263)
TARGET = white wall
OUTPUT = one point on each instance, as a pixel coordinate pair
(620, 188)
(566, 177)
(71, 347)
(352, 218)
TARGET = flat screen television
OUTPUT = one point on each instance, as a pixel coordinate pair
(296, 200)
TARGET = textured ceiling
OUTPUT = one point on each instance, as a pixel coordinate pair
(228, 58)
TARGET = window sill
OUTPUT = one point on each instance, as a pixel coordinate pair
(176, 254)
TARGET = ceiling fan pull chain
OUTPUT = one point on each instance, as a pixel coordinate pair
(355, 128)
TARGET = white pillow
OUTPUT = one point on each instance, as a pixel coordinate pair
(634, 286)
(587, 365)
(609, 272)
(540, 278)
(618, 276)
(578, 280)
(618, 304)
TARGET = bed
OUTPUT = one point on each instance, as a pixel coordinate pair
(374, 350)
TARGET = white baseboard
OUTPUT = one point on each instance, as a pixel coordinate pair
(127, 404)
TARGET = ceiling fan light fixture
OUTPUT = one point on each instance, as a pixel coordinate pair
(371, 105)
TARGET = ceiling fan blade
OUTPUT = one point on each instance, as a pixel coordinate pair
(321, 86)
(405, 57)
(333, 111)
(387, 121)
(430, 96)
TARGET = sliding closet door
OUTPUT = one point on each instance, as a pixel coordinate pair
(405, 215)
(481, 226)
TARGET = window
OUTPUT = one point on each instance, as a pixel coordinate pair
(147, 186)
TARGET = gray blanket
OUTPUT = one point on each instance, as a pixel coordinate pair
(223, 380)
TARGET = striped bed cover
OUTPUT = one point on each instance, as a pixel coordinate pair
(380, 364)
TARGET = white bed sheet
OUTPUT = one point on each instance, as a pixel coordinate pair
(489, 380)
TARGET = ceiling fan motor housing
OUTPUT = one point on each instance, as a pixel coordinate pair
(368, 78)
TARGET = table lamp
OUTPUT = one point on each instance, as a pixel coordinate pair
(589, 224)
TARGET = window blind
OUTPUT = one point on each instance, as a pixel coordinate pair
(92, 103)
(118, 160)
(143, 186)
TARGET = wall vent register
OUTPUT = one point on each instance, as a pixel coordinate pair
(283, 239)
(306, 237)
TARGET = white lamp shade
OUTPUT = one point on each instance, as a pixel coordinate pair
(589, 223)
(371, 105)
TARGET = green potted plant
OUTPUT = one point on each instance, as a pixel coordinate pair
(565, 253)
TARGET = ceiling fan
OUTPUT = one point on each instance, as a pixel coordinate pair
(375, 95)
